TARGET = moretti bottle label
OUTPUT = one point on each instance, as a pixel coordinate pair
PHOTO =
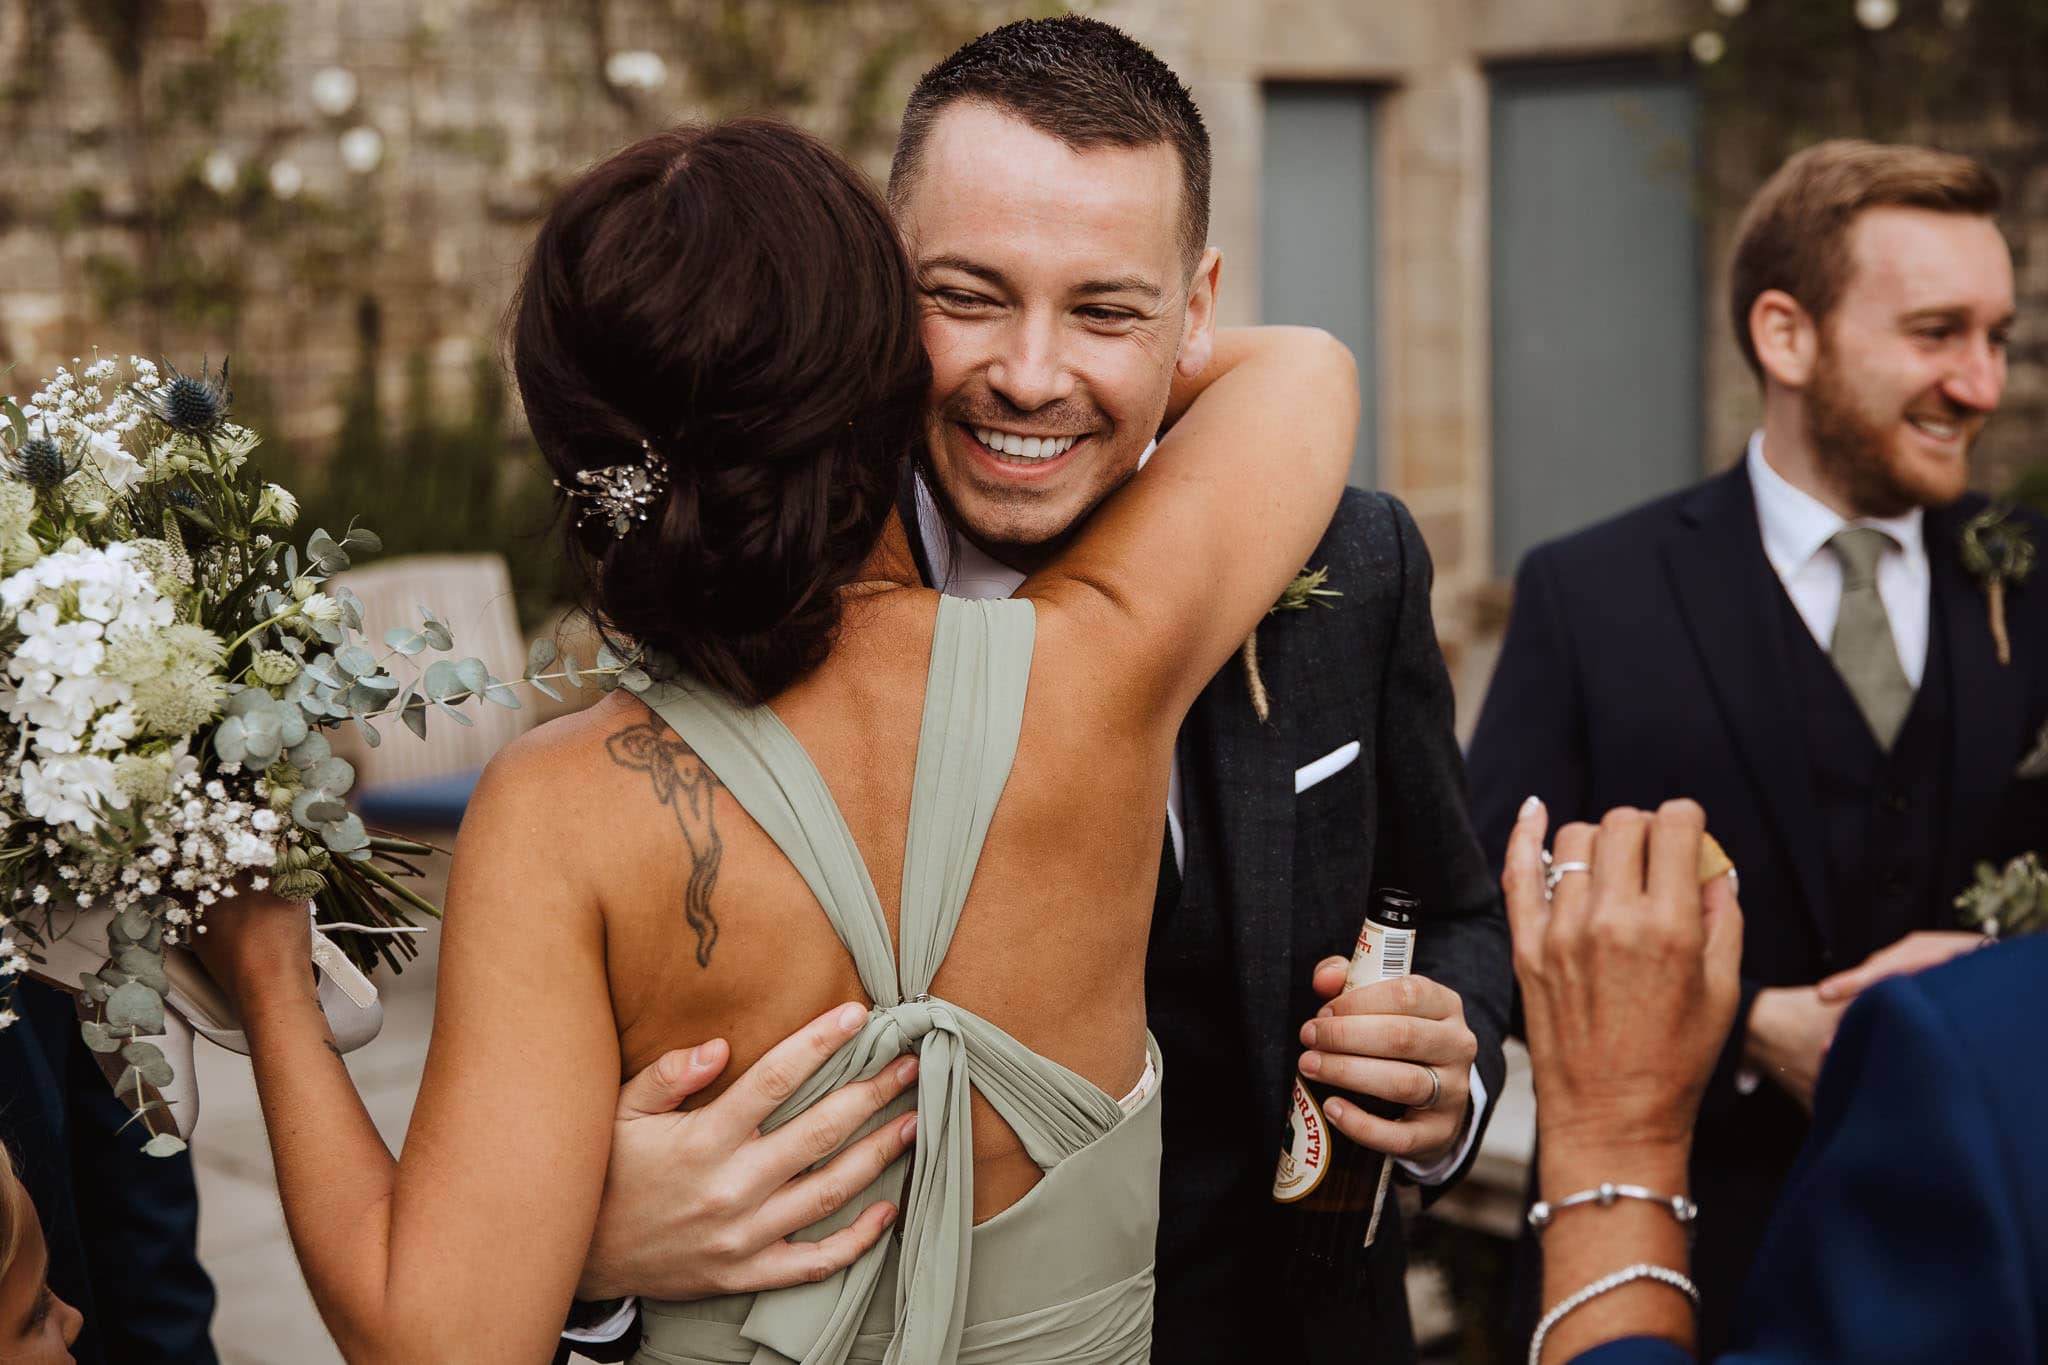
(1304, 1150)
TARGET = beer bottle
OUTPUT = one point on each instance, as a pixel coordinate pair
(1331, 1187)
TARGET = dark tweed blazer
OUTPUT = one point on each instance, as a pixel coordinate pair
(1292, 873)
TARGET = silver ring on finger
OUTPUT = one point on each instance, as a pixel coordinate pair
(1559, 871)
(1436, 1088)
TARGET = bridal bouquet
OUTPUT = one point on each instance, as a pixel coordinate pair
(169, 667)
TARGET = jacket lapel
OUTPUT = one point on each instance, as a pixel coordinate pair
(1987, 721)
(1238, 788)
(1728, 591)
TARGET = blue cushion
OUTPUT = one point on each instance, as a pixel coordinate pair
(427, 801)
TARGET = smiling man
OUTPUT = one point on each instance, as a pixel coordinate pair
(1799, 646)
(1051, 182)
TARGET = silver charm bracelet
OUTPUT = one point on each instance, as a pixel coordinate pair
(1606, 1284)
(1604, 1194)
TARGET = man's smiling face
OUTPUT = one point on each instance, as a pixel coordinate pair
(1056, 302)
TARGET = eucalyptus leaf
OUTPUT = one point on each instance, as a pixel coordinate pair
(149, 1059)
(346, 836)
(475, 676)
(311, 750)
(414, 713)
(323, 554)
(136, 1006)
(437, 635)
(502, 694)
(540, 654)
(316, 810)
(132, 923)
(94, 988)
(97, 1037)
(163, 1144)
(635, 680)
(606, 658)
(331, 632)
(227, 740)
(356, 661)
(544, 687)
(573, 674)
(16, 419)
(331, 775)
(455, 715)
(406, 642)
(290, 561)
(370, 735)
(320, 671)
(442, 680)
(362, 538)
(351, 608)
(381, 683)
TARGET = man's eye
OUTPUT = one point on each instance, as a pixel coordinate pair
(1105, 315)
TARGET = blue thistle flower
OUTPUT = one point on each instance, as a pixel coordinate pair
(42, 462)
(197, 406)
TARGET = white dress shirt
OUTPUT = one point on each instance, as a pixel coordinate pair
(961, 568)
(1796, 530)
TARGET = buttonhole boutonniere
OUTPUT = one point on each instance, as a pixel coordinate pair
(1997, 552)
(1307, 589)
(2007, 902)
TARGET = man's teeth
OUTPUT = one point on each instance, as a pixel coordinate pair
(1940, 431)
(1024, 447)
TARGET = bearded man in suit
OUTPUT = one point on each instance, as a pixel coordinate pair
(1062, 294)
(1799, 646)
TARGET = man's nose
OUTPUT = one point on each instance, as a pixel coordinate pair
(1029, 369)
(1978, 381)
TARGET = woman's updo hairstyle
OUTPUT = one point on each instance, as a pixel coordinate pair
(735, 296)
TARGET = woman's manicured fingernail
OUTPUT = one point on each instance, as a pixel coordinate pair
(1530, 809)
(850, 1018)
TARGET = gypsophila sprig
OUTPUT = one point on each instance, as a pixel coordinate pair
(169, 668)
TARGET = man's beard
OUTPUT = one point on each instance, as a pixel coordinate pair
(1851, 452)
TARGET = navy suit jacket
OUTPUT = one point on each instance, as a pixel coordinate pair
(122, 1228)
(1646, 659)
(1915, 1226)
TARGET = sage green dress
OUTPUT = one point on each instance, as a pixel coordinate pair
(1065, 1274)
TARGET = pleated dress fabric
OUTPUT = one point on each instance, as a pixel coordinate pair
(1065, 1274)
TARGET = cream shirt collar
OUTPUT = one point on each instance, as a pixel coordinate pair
(1797, 526)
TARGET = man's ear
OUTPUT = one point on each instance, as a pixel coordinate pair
(1786, 338)
(1198, 337)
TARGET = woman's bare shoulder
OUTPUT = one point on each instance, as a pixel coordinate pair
(551, 786)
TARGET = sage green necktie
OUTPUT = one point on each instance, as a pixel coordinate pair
(1863, 649)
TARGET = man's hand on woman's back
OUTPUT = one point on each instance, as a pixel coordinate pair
(699, 1202)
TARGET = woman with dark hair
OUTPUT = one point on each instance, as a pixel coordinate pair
(944, 812)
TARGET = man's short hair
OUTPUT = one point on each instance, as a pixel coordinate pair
(1076, 79)
(1794, 234)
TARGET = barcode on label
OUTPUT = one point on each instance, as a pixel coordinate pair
(1394, 954)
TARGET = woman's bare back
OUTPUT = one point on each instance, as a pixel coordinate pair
(711, 932)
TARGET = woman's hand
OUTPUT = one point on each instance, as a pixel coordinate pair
(256, 943)
(1628, 974)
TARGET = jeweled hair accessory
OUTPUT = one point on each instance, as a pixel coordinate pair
(621, 492)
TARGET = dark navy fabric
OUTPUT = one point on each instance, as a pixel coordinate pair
(122, 1227)
(1914, 1229)
(1650, 657)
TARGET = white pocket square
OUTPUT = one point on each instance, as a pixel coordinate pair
(1335, 761)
